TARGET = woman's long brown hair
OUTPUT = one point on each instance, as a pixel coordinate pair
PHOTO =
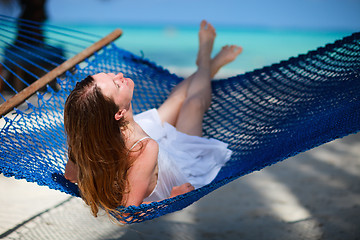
(97, 146)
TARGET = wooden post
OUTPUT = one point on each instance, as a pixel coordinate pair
(65, 66)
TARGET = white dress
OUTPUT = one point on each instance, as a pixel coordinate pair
(182, 158)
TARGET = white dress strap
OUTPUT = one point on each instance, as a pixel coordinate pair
(138, 142)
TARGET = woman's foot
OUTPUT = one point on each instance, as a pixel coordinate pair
(226, 55)
(207, 36)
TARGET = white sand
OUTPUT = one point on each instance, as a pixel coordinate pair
(315, 195)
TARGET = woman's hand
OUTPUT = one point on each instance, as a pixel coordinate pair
(182, 189)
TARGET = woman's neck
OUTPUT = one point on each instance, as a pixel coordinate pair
(133, 130)
(129, 116)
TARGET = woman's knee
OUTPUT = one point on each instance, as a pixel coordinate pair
(196, 104)
(178, 96)
(191, 116)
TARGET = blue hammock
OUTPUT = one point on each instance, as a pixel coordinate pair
(266, 116)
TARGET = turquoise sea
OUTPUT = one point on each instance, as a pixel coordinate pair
(175, 47)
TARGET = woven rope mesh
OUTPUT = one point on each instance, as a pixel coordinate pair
(266, 116)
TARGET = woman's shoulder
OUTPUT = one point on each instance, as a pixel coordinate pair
(143, 143)
(150, 146)
(151, 149)
(146, 149)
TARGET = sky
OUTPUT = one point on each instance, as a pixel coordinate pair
(293, 14)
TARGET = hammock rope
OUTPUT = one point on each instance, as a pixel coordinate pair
(266, 116)
(27, 58)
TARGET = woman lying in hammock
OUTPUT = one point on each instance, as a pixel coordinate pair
(119, 159)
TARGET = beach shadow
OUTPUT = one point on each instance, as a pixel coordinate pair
(314, 195)
(325, 181)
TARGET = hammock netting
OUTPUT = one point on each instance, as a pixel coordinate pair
(266, 116)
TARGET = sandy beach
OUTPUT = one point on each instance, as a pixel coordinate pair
(314, 195)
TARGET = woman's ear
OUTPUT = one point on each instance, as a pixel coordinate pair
(120, 114)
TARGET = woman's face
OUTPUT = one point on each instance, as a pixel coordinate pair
(115, 87)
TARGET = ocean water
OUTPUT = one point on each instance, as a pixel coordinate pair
(175, 47)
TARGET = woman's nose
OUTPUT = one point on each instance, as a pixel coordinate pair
(120, 75)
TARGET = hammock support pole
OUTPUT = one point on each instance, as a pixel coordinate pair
(62, 68)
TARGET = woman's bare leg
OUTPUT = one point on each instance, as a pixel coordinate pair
(225, 56)
(198, 97)
(170, 109)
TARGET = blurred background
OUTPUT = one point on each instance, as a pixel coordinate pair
(166, 31)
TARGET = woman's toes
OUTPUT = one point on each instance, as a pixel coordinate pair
(203, 24)
(237, 49)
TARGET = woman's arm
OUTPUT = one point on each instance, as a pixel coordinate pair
(141, 173)
(140, 177)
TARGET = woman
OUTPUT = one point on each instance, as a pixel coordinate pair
(119, 159)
